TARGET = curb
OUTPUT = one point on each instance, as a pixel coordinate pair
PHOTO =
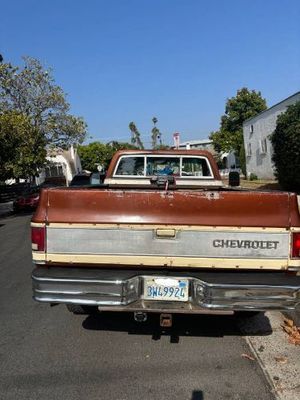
(263, 367)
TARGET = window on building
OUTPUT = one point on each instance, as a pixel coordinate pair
(251, 128)
(263, 147)
(53, 171)
(249, 150)
(60, 170)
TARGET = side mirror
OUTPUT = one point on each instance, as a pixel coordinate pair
(234, 178)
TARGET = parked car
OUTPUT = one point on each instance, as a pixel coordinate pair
(28, 200)
(86, 179)
(82, 179)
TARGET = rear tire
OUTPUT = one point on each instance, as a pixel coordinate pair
(81, 309)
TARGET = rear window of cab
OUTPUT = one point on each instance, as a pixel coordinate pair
(178, 166)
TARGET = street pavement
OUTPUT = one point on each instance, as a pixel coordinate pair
(6, 208)
(48, 353)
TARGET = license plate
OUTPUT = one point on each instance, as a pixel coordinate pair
(169, 289)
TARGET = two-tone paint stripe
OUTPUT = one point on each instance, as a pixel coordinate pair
(167, 261)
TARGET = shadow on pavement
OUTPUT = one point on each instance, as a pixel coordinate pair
(183, 325)
(12, 214)
(6, 214)
(197, 395)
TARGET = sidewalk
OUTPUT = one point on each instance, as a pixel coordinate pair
(279, 359)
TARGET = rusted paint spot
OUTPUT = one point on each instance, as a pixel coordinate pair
(167, 195)
(212, 195)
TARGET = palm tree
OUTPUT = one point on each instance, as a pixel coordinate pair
(135, 135)
(156, 134)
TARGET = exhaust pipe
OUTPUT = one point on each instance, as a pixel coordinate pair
(140, 316)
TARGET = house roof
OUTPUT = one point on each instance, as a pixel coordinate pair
(195, 142)
(274, 105)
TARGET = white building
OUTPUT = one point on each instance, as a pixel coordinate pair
(229, 160)
(257, 131)
(202, 144)
(61, 163)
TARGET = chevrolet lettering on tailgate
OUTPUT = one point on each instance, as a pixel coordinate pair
(245, 244)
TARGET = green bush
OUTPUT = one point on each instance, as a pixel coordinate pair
(253, 177)
(286, 145)
(100, 153)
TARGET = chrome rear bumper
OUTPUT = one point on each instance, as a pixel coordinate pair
(122, 290)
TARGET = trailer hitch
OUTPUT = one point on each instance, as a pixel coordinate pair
(140, 316)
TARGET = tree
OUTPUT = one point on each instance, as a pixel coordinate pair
(135, 135)
(286, 147)
(22, 149)
(156, 135)
(97, 153)
(229, 137)
(94, 154)
(32, 92)
(116, 146)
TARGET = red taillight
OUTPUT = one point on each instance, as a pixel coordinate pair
(296, 245)
(38, 238)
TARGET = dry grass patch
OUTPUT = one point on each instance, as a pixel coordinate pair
(260, 184)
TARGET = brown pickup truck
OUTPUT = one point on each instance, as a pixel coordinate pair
(163, 234)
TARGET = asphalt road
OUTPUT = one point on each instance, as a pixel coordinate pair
(48, 353)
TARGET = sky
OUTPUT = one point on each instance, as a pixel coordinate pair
(178, 60)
